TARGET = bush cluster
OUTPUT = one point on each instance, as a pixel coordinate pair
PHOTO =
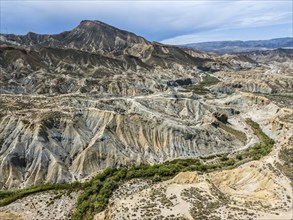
(200, 88)
(264, 146)
(7, 197)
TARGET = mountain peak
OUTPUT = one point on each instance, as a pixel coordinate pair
(96, 24)
(92, 22)
(89, 35)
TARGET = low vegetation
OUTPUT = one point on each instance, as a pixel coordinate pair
(97, 191)
(200, 88)
(238, 134)
(9, 196)
(264, 146)
(286, 156)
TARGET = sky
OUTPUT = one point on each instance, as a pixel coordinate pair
(171, 22)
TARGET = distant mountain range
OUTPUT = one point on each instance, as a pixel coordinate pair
(222, 47)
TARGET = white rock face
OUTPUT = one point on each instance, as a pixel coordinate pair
(79, 137)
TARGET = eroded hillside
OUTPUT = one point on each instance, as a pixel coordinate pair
(254, 190)
(79, 102)
(68, 111)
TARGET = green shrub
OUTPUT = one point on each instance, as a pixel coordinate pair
(239, 157)
(200, 88)
(224, 157)
(229, 162)
(157, 178)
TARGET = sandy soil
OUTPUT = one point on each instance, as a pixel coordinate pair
(42, 206)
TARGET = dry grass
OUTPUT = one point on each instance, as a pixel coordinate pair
(238, 134)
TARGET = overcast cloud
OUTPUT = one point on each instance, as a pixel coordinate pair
(173, 22)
